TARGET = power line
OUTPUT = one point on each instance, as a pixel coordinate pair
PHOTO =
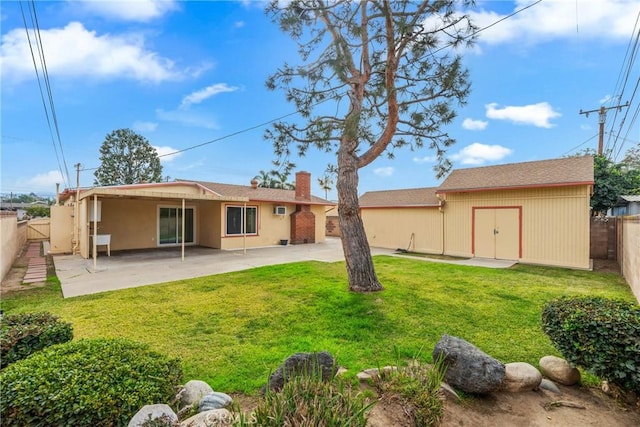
(49, 117)
(579, 145)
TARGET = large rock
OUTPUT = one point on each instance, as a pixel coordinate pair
(468, 368)
(214, 400)
(215, 417)
(559, 370)
(303, 364)
(520, 376)
(153, 412)
(193, 392)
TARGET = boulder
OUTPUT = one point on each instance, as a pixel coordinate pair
(214, 400)
(559, 370)
(153, 412)
(549, 385)
(468, 368)
(520, 376)
(193, 392)
(303, 364)
(214, 417)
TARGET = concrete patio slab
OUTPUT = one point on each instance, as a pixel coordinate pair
(128, 269)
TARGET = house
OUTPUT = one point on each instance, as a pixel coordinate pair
(533, 212)
(156, 215)
(626, 205)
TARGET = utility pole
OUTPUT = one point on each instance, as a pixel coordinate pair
(602, 117)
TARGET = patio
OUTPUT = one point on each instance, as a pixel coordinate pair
(129, 269)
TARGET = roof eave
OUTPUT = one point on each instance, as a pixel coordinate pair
(514, 187)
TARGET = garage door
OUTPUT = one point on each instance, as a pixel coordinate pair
(496, 233)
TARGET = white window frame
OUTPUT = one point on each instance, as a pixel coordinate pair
(243, 225)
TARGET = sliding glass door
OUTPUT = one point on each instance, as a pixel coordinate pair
(170, 225)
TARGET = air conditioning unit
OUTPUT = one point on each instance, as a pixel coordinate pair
(279, 210)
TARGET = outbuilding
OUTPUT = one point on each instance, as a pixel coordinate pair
(532, 212)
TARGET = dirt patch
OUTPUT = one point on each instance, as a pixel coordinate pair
(575, 407)
(12, 282)
(606, 266)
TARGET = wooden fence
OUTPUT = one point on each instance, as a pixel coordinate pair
(39, 229)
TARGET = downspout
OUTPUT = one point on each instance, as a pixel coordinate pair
(441, 209)
(182, 233)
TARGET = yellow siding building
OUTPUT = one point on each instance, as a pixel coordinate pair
(532, 212)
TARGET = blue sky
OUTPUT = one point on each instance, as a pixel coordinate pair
(185, 73)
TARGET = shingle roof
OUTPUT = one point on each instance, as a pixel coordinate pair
(259, 194)
(543, 173)
(630, 198)
(400, 198)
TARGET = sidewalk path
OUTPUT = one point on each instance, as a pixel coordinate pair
(37, 267)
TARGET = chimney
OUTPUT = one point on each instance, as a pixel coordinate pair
(254, 183)
(303, 186)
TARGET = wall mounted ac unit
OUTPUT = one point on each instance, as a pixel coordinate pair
(279, 210)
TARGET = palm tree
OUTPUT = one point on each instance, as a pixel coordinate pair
(326, 183)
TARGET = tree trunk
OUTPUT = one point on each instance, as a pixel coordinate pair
(360, 270)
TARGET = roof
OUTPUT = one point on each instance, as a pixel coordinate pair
(623, 200)
(260, 194)
(412, 197)
(543, 173)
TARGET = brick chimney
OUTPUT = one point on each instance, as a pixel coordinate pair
(303, 186)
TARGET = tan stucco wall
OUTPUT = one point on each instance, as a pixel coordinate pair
(61, 231)
(555, 223)
(271, 228)
(13, 236)
(631, 253)
(208, 224)
(393, 227)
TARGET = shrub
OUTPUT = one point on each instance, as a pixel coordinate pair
(600, 335)
(101, 382)
(26, 333)
(419, 388)
(306, 400)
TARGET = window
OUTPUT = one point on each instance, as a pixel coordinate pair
(234, 220)
(170, 225)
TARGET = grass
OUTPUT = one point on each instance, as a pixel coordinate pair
(232, 330)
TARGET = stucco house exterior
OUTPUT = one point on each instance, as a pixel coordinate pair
(533, 212)
(222, 216)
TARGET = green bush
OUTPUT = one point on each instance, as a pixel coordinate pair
(26, 333)
(600, 335)
(419, 388)
(305, 401)
(101, 382)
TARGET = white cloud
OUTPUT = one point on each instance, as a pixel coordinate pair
(386, 171)
(92, 56)
(43, 182)
(471, 124)
(559, 19)
(202, 94)
(537, 115)
(477, 154)
(131, 10)
(166, 153)
(425, 159)
(187, 118)
(239, 24)
(139, 126)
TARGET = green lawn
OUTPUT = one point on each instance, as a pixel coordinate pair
(232, 330)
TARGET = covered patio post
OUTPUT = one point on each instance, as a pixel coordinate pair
(182, 232)
(244, 229)
(95, 231)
